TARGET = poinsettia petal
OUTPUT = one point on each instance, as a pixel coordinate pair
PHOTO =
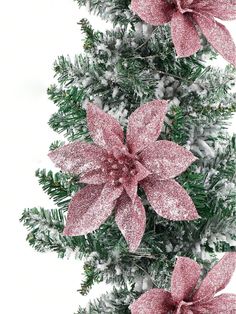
(94, 177)
(166, 159)
(218, 36)
(224, 303)
(154, 12)
(152, 302)
(222, 9)
(131, 186)
(184, 35)
(145, 125)
(142, 172)
(217, 278)
(184, 278)
(77, 157)
(169, 199)
(104, 129)
(90, 207)
(131, 220)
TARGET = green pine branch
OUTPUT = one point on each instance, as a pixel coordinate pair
(90, 35)
(116, 301)
(116, 11)
(46, 233)
(92, 276)
(59, 186)
(70, 118)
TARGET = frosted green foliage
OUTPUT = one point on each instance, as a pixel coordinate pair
(116, 11)
(115, 302)
(219, 231)
(45, 230)
(120, 70)
(58, 186)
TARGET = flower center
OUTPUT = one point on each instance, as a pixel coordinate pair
(119, 165)
(184, 306)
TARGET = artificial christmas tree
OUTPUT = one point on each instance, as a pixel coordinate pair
(192, 102)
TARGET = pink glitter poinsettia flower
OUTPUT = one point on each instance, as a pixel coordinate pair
(113, 170)
(188, 15)
(186, 296)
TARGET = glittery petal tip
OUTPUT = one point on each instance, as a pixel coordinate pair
(154, 12)
(224, 303)
(104, 129)
(217, 278)
(152, 302)
(131, 220)
(169, 199)
(184, 34)
(145, 125)
(221, 9)
(184, 278)
(218, 36)
(166, 159)
(77, 157)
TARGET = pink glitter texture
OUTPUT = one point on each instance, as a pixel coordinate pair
(113, 171)
(186, 296)
(186, 17)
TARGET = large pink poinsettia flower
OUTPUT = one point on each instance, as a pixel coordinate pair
(185, 296)
(113, 170)
(185, 15)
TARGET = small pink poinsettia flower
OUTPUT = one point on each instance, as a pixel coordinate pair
(112, 169)
(186, 296)
(188, 15)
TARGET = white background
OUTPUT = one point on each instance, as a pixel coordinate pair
(33, 34)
